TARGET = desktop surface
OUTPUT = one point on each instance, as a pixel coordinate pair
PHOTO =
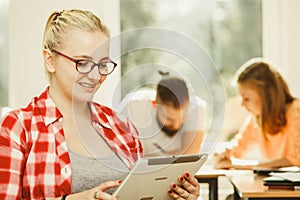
(252, 186)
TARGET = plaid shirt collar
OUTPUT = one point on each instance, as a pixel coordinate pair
(101, 117)
(50, 116)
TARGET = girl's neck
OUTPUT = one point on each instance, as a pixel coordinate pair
(67, 107)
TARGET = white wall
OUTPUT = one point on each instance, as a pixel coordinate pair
(27, 21)
(281, 42)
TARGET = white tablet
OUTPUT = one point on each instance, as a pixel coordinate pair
(150, 178)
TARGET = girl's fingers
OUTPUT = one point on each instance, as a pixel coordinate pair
(177, 192)
(189, 183)
(188, 189)
(99, 192)
(109, 184)
(191, 179)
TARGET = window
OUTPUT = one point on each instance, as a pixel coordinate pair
(4, 53)
(229, 30)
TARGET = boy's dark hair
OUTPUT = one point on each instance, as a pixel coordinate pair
(172, 90)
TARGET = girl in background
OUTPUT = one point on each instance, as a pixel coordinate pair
(275, 122)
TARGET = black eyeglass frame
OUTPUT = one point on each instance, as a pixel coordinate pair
(76, 61)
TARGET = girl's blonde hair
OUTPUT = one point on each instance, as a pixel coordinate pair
(59, 23)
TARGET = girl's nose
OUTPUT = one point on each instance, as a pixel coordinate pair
(94, 74)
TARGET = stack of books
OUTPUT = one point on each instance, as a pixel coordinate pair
(288, 178)
(274, 182)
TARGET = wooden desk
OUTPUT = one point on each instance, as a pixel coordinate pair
(250, 186)
(210, 177)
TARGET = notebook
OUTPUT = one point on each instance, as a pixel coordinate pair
(267, 171)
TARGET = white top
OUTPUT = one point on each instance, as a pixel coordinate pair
(141, 110)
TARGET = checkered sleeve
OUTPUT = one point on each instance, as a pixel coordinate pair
(126, 141)
(135, 135)
(11, 157)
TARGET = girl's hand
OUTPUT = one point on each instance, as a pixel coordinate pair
(188, 188)
(223, 160)
(97, 192)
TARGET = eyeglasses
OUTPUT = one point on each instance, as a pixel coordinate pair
(86, 66)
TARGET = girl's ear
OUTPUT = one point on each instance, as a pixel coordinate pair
(48, 60)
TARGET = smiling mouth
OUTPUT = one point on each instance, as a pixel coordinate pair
(87, 85)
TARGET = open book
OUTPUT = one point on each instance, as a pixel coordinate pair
(283, 179)
(290, 176)
(267, 171)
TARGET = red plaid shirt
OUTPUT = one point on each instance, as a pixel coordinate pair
(34, 159)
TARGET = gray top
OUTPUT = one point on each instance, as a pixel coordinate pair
(89, 172)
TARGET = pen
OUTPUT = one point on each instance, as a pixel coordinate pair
(159, 147)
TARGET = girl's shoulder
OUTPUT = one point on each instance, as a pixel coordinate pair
(102, 110)
(293, 110)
